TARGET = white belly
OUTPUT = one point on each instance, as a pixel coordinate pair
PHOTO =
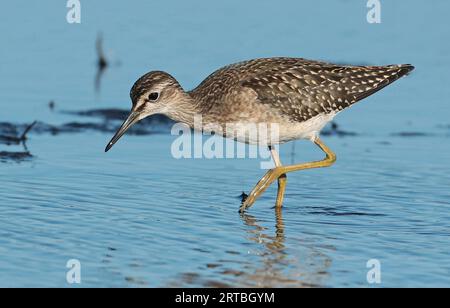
(275, 133)
(309, 129)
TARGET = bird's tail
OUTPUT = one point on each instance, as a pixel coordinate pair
(402, 70)
(387, 75)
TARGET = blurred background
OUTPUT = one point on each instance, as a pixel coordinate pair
(138, 217)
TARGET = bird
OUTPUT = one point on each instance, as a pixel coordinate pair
(299, 95)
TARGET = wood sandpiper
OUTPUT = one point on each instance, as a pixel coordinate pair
(301, 96)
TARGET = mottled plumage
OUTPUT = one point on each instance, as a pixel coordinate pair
(298, 88)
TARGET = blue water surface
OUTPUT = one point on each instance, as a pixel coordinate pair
(138, 217)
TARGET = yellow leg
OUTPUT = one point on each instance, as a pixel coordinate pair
(281, 189)
(281, 180)
(278, 171)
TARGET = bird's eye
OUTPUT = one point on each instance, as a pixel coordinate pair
(153, 96)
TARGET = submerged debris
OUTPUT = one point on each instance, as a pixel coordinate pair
(9, 133)
(51, 105)
(7, 130)
(412, 134)
(102, 63)
(9, 136)
(334, 130)
(443, 126)
(120, 114)
(106, 114)
(110, 120)
(152, 125)
(14, 156)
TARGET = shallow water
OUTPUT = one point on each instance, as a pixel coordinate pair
(138, 217)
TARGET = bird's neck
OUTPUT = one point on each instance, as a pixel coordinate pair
(186, 109)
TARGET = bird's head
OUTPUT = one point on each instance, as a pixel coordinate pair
(154, 93)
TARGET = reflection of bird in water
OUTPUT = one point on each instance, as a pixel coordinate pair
(279, 268)
(269, 262)
(299, 96)
(273, 258)
(102, 63)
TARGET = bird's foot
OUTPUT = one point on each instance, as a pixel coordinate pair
(262, 185)
(243, 197)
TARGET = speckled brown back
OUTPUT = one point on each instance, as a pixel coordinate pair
(298, 88)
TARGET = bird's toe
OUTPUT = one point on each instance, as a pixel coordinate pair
(243, 197)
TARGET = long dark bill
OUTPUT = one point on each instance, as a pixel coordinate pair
(132, 118)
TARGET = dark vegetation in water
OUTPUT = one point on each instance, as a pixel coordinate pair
(335, 130)
(444, 126)
(102, 63)
(409, 134)
(332, 211)
(6, 156)
(120, 114)
(51, 105)
(110, 120)
(102, 120)
(9, 135)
